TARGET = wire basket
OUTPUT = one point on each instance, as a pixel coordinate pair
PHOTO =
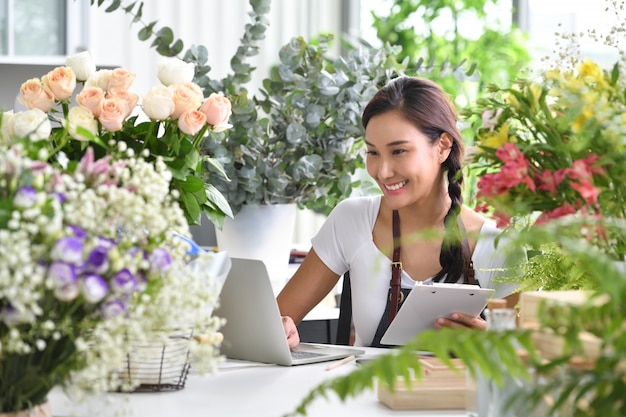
(159, 365)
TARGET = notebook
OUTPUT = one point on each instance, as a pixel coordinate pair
(254, 330)
(427, 302)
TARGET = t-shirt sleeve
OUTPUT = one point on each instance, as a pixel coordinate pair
(333, 241)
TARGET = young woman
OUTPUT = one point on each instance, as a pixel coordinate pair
(414, 153)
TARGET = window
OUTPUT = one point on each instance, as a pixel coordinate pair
(42, 27)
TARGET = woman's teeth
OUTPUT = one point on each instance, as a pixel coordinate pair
(394, 187)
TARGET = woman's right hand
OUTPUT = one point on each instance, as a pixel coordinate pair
(291, 331)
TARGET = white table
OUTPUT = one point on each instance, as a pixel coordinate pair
(239, 389)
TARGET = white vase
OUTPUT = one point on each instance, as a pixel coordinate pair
(263, 232)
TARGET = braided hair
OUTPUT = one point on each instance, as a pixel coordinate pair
(427, 106)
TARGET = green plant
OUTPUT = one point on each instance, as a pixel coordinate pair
(298, 140)
(437, 32)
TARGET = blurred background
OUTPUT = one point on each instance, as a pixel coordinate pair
(509, 35)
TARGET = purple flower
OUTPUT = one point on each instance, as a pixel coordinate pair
(62, 273)
(25, 197)
(124, 281)
(94, 288)
(98, 260)
(78, 232)
(113, 308)
(59, 196)
(160, 260)
(63, 276)
(105, 242)
(137, 250)
(68, 249)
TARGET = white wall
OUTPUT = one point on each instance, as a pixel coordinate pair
(216, 24)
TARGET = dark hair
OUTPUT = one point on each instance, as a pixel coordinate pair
(427, 106)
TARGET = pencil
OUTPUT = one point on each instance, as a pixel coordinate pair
(341, 362)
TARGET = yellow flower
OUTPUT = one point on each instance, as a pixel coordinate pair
(533, 92)
(496, 139)
(590, 72)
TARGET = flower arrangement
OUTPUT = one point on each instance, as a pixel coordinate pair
(553, 147)
(90, 264)
(171, 121)
(298, 139)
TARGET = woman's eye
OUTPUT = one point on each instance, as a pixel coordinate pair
(372, 153)
(398, 151)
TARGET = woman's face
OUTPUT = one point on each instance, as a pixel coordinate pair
(402, 159)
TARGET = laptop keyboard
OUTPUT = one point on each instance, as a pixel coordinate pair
(298, 354)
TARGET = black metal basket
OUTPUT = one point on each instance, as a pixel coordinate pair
(159, 366)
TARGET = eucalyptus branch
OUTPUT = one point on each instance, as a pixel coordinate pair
(163, 42)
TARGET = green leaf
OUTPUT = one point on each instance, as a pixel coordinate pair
(192, 184)
(145, 33)
(115, 4)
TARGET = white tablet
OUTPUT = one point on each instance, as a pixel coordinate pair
(427, 302)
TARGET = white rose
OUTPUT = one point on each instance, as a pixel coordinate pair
(83, 118)
(6, 127)
(100, 79)
(158, 104)
(32, 124)
(175, 71)
(82, 64)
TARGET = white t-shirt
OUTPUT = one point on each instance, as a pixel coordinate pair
(344, 243)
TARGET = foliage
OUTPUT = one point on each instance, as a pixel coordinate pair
(90, 265)
(170, 123)
(298, 140)
(553, 148)
(440, 32)
(592, 386)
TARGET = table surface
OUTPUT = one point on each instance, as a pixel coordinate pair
(240, 389)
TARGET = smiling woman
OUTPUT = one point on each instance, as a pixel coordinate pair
(418, 227)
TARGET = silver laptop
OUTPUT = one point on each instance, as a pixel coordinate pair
(254, 330)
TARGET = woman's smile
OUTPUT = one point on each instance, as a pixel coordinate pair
(396, 186)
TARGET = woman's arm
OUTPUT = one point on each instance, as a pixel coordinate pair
(310, 284)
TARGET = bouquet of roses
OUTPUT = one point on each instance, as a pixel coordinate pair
(170, 122)
(554, 147)
(89, 265)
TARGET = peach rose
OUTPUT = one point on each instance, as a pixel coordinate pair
(131, 99)
(60, 82)
(191, 121)
(83, 65)
(32, 124)
(121, 79)
(187, 96)
(100, 79)
(158, 104)
(113, 112)
(217, 109)
(79, 117)
(35, 96)
(90, 98)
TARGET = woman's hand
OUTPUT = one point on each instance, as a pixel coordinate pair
(459, 320)
(291, 331)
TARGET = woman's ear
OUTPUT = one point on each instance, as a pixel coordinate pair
(444, 146)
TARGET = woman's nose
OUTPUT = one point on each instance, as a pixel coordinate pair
(385, 169)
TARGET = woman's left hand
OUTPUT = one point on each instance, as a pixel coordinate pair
(459, 320)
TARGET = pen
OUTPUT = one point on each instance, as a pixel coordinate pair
(341, 362)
